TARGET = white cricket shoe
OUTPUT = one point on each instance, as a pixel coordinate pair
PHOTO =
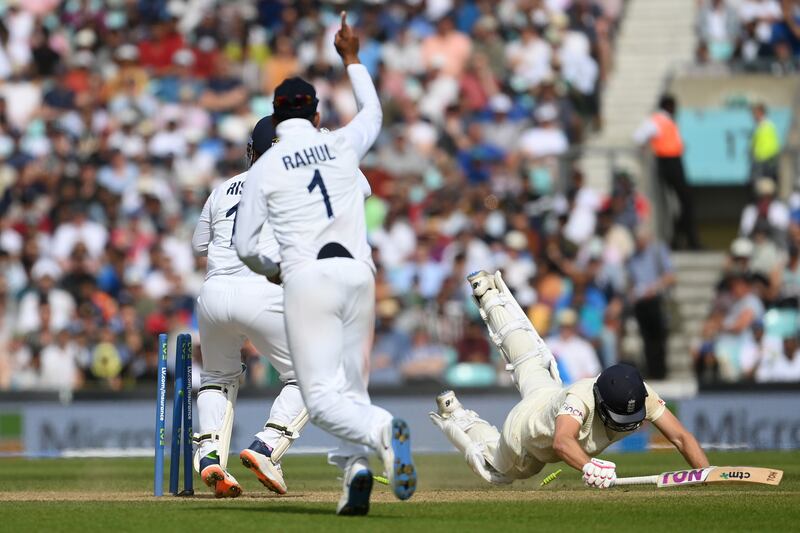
(356, 488)
(217, 478)
(257, 458)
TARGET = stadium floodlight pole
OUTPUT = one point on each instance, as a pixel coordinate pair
(711, 474)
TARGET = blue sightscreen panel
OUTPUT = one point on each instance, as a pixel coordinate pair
(717, 142)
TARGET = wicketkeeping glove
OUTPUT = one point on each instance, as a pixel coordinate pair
(599, 474)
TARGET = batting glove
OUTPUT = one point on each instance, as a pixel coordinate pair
(599, 474)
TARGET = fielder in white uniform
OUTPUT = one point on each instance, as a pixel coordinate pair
(236, 304)
(307, 186)
(552, 423)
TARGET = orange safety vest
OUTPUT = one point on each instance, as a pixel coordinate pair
(667, 142)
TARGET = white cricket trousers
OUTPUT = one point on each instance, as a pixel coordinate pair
(330, 314)
(231, 309)
(505, 450)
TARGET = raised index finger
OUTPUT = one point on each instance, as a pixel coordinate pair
(344, 19)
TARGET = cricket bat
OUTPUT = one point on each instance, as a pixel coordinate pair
(712, 474)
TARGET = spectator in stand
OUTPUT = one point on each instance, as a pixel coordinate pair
(529, 58)
(651, 275)
(787, 32)
(662, 133)
(766, 145)
(427, 359)
(767, 209)
(473, 346)
(502, 129)
(781, 366)
(391, 345)
(763, 14)
(786, 285)
(736, 327)
(60, 306)
(767, 259)
(718, 26)
(759, 351)
(629, 206)
(576, 357)
(60, 363)
(546, 138)
(448, 47)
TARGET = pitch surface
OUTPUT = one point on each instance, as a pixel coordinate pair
(114, 495)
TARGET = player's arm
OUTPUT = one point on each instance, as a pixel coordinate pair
(250, 218)
(646, 131)
(362, 131)
(682, 439)
(565, 442)
(201, 237)
(597, 473)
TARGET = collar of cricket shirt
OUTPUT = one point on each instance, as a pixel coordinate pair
(292, 126)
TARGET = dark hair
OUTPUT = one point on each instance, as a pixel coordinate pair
(294, 98)
(667, 103)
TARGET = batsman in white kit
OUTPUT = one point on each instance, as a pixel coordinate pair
(552, 423)
(308, 187)
(236, 304)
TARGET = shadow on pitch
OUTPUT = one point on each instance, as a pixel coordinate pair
(285, 509)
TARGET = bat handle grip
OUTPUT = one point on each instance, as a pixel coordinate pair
(640, 480)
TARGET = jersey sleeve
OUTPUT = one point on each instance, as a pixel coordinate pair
(250, 218)
(647, 130)
(364, 185)
(362, 131)
(575, 407)
(201, 237)
(654, 405)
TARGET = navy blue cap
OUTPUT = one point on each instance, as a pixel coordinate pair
(294, 98)
(263, 135)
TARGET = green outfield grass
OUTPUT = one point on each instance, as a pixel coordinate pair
(115, 495)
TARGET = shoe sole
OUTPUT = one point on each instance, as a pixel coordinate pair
(404, 478)
(214, 477)
(251, 463)
(358, 495)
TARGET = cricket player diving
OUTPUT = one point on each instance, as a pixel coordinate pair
(308, 187)
(552, 423)
(236, 304)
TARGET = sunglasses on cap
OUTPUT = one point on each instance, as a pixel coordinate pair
(297, 101)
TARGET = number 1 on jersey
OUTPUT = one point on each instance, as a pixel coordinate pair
(317, 182)
(233, 211)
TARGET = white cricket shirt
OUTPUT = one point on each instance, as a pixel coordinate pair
(310, 188)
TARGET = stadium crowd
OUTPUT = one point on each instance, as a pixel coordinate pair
(117, 117)
(750, 34)
(751, 332)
